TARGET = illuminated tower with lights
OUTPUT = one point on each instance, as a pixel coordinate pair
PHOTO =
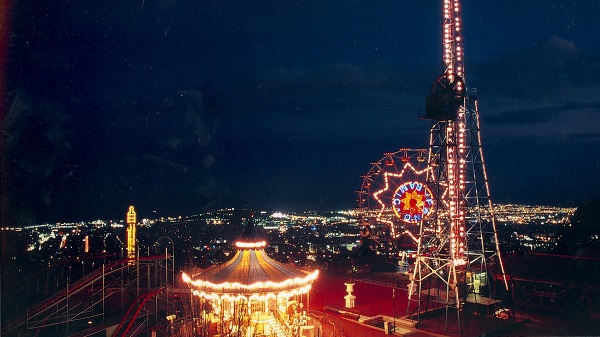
(131, 239)
(458, 252)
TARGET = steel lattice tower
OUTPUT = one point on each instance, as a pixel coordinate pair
(458, 251)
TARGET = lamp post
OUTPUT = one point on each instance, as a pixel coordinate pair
(121, 244)
(394, 308)
(166, 256)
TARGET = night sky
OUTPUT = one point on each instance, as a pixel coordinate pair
(186, 106)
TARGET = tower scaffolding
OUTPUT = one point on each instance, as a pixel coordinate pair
(458, 252)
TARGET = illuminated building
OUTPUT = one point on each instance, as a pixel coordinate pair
(252, 294)
(131, 240)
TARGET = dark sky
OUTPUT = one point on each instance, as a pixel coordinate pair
(184, 106)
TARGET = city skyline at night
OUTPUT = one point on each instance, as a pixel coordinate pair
(212, 168)
(182, 108)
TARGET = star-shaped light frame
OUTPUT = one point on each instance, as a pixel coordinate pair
(400, 188)
(385, 180)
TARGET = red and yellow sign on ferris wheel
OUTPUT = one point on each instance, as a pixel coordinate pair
(394, 196)
(412, 202)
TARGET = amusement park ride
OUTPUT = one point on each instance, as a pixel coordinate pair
(443, 202)
(433, 202)
(392, 201)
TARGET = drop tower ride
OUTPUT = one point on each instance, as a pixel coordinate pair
(458, 255)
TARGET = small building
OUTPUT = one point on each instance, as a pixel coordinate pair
(252, 294)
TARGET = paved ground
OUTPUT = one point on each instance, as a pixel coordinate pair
(387, 300)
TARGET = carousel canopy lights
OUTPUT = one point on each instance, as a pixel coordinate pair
(257, 291)
(253, 297)
(250, 245)
(251, 273)
(259, 287)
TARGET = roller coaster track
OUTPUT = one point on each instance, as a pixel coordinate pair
(31, 280)
(46, 313)
(131, 315)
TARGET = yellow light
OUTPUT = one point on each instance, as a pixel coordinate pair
(459, 262)
(131, 233)
(288, 286)
(256, 297)
(131, 218)
(241, 244)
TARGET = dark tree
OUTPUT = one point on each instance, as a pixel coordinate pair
(584, 232)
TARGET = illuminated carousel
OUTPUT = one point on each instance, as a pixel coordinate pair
(252, 294)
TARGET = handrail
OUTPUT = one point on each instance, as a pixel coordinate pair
(338, 328)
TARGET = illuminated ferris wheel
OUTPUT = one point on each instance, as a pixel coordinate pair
(394, 198)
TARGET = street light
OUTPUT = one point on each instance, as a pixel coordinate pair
(166, 255)
(394, 305)
(122, 245)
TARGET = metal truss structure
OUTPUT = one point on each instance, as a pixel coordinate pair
(458, 252)
(87, 304)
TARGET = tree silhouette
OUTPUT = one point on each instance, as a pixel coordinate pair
(584, 232)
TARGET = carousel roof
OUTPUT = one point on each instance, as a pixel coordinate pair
(250, 266)
(251, 271)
